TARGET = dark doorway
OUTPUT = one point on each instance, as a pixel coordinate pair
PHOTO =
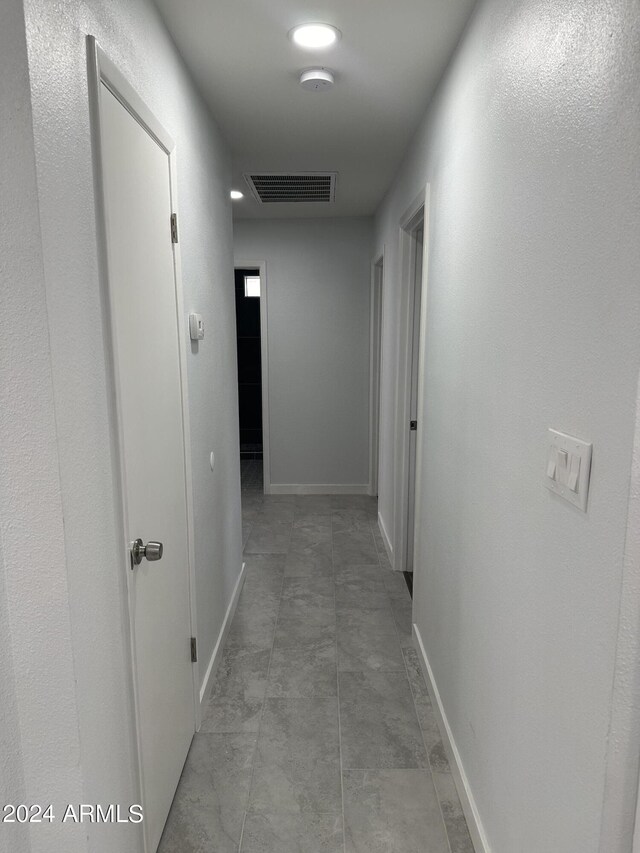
(248, 290)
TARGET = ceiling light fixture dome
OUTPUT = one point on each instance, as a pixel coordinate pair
(314, 36)
(236, 194)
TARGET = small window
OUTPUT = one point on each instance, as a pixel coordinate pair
(252, 285)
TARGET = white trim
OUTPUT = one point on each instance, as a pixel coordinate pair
(319, 489)
(183, 337)
(264, 359)
(386, 541)
(216, 655)
(375, 368)
(120, 503)
(120, 88)
(407, 225)
(621, 801)
(100, 70)
(467, 800)
(94, 59)
(97, 64)
(418, 562)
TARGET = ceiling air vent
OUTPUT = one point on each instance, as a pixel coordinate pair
(304, 187)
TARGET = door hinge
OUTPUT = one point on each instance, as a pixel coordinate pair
(174, 227)
(413, 425)
(194, 650)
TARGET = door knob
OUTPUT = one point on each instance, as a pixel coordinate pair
(152, 551)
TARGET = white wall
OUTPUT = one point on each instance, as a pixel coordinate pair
(39, 760)
(531, 150)
(318, 283)
(65, 595)
(12, 786)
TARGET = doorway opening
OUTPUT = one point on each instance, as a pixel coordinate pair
(377, 275)
(412, 229)
(249, 298)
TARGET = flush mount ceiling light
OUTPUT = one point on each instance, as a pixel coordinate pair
(236, 194)
(314, 36)
(316, 80)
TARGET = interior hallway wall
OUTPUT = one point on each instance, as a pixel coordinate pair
(318, 283)
(531, 150)
(79, 445)
(39, 743)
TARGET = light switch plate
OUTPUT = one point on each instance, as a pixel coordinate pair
(568, 467)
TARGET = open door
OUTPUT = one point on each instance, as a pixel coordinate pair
(417, 248)
(412, 251)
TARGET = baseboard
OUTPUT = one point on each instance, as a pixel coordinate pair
(210, 674)
(476, 829)
(386, 541)
(318, 489)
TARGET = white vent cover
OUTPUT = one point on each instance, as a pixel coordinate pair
(297, 187)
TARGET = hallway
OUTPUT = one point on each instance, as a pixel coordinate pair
(319, 713)
(433, 208)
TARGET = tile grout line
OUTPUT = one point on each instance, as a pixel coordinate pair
(264, 702)
(424, 742)
(335, 605)
(426, 749)
(395, 623)
(450, 824)
(405, 668)
(415, 711)
(415, 708)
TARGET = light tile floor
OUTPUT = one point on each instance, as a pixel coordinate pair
(319, 736)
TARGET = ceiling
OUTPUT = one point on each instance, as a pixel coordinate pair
(387, 65)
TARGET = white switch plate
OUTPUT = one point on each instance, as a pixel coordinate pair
(568, 467)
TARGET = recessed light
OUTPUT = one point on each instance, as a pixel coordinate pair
(236, 194)
(314, 36)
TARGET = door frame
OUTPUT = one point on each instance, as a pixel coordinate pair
(264, 365)
(417, 213)
(102, 71)
(620, 829)
(375, 368)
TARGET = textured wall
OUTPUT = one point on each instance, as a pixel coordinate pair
(39, 739)
(14, 85)
(12, 789)
(134, 38)
(318, 282)
(531, 149)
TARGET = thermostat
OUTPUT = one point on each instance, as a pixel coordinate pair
(196, 327)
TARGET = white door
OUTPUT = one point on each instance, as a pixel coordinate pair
(144, 318)
(417, 247)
